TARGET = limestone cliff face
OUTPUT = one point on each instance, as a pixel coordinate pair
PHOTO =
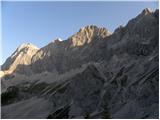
(87, 34)
(92, 74)
(90, 43)
(22, 56)
(58, 55)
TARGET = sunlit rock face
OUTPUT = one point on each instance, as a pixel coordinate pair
(87, 34)
(22, 56)
(57, 55)
(92, 74)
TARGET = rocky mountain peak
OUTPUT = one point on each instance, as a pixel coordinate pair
(146, 11)
(22, 56)
(156, 13)
(87, 34)
(26, 46)
(57, 40)
(88, 27)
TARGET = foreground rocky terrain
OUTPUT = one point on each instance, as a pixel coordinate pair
(92, 74)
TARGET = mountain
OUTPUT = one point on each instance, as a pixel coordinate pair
(22, 56)
(56, 56)
(92, 74)
(87, 34)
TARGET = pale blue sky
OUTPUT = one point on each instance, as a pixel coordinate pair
(41, 22)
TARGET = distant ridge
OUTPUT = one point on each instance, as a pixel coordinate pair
(27, 53)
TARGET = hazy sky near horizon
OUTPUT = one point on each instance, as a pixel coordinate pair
(41, 22)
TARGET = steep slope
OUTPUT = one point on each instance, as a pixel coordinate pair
(77, 49)
(88, 34)
(87, 82)
(22, 56)
(92, 74)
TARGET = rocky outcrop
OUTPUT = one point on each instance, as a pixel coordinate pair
(22, 56)
(87, 34)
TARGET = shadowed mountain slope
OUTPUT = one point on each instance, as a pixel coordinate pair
(92, 74)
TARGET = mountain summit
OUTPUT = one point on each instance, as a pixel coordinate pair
(87, 34)
(22, 56)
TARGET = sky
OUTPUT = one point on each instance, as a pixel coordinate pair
(41, 22)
